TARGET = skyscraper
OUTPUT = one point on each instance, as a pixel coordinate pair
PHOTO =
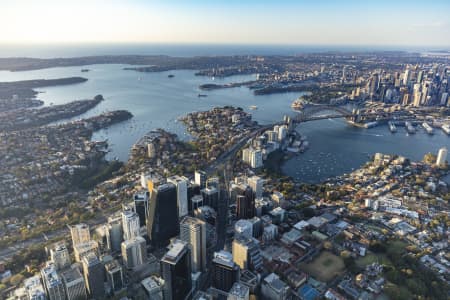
(245, 203)
(34, 288)
(213, 182)
(193, 231)
(244, 228)
(130, 224)
(74, 284)
(141, 206)
(256, 184)
(84, 249)
(246, 253)
(224, 271)
(153, 287)
(114, 275)
(200, 178)
(115, 233)
(163, 222)
(52, 282)
(80, 234)
(59, 255)
(210, 197)
(176, 271)
(181, 184)
(94, 273)
(134, 252)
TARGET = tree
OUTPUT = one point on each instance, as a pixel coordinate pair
(16, 279)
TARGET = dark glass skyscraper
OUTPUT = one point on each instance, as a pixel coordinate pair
(94, 274)
(245, 202)
(162, 222)
(141, 206)
(176, 271)
(225, 272)
(211, 197)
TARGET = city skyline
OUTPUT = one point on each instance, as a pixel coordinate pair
(394, 23)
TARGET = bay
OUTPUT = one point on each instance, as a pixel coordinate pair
(157, 101)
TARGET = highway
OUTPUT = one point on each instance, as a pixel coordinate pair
(8, 253)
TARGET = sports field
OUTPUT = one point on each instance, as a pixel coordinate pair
(324, 267)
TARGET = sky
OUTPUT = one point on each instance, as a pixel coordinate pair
(300, 22)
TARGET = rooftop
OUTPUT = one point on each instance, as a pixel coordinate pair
(176, 250)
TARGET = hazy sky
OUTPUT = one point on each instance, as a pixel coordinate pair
(314, 22)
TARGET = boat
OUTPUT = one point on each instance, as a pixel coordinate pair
(428, 128)
(253, 107)
(392, 127)
(446, 128)
(202, 95)
(171, 76)
(85, 70)
(410, 128)
(370, 124)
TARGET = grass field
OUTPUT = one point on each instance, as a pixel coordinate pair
(325, 267)
(371, 258)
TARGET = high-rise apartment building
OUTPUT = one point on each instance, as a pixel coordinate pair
(181, 184)
(193, 231)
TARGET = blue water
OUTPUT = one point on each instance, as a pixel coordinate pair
(337, 148)
(156, 101)
(183, 50)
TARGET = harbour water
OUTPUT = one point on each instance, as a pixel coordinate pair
(156, 101)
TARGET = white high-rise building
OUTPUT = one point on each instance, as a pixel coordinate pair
(193, 231)
(256, 183)
(442, 156)
(256, 160)
(130, 224)
(134, 252)
(115, 233)
(74, 284)
(181, 183)
(59, 255)
(406, 77)
(200, 178)
(34, 288)
(80, 234)
(52, 282)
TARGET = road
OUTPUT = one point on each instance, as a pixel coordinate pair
(8, 253)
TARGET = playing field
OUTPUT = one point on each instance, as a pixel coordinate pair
(325, 267)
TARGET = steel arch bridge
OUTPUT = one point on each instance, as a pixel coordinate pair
(310, 112)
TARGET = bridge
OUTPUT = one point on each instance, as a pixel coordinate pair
(309, 112)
